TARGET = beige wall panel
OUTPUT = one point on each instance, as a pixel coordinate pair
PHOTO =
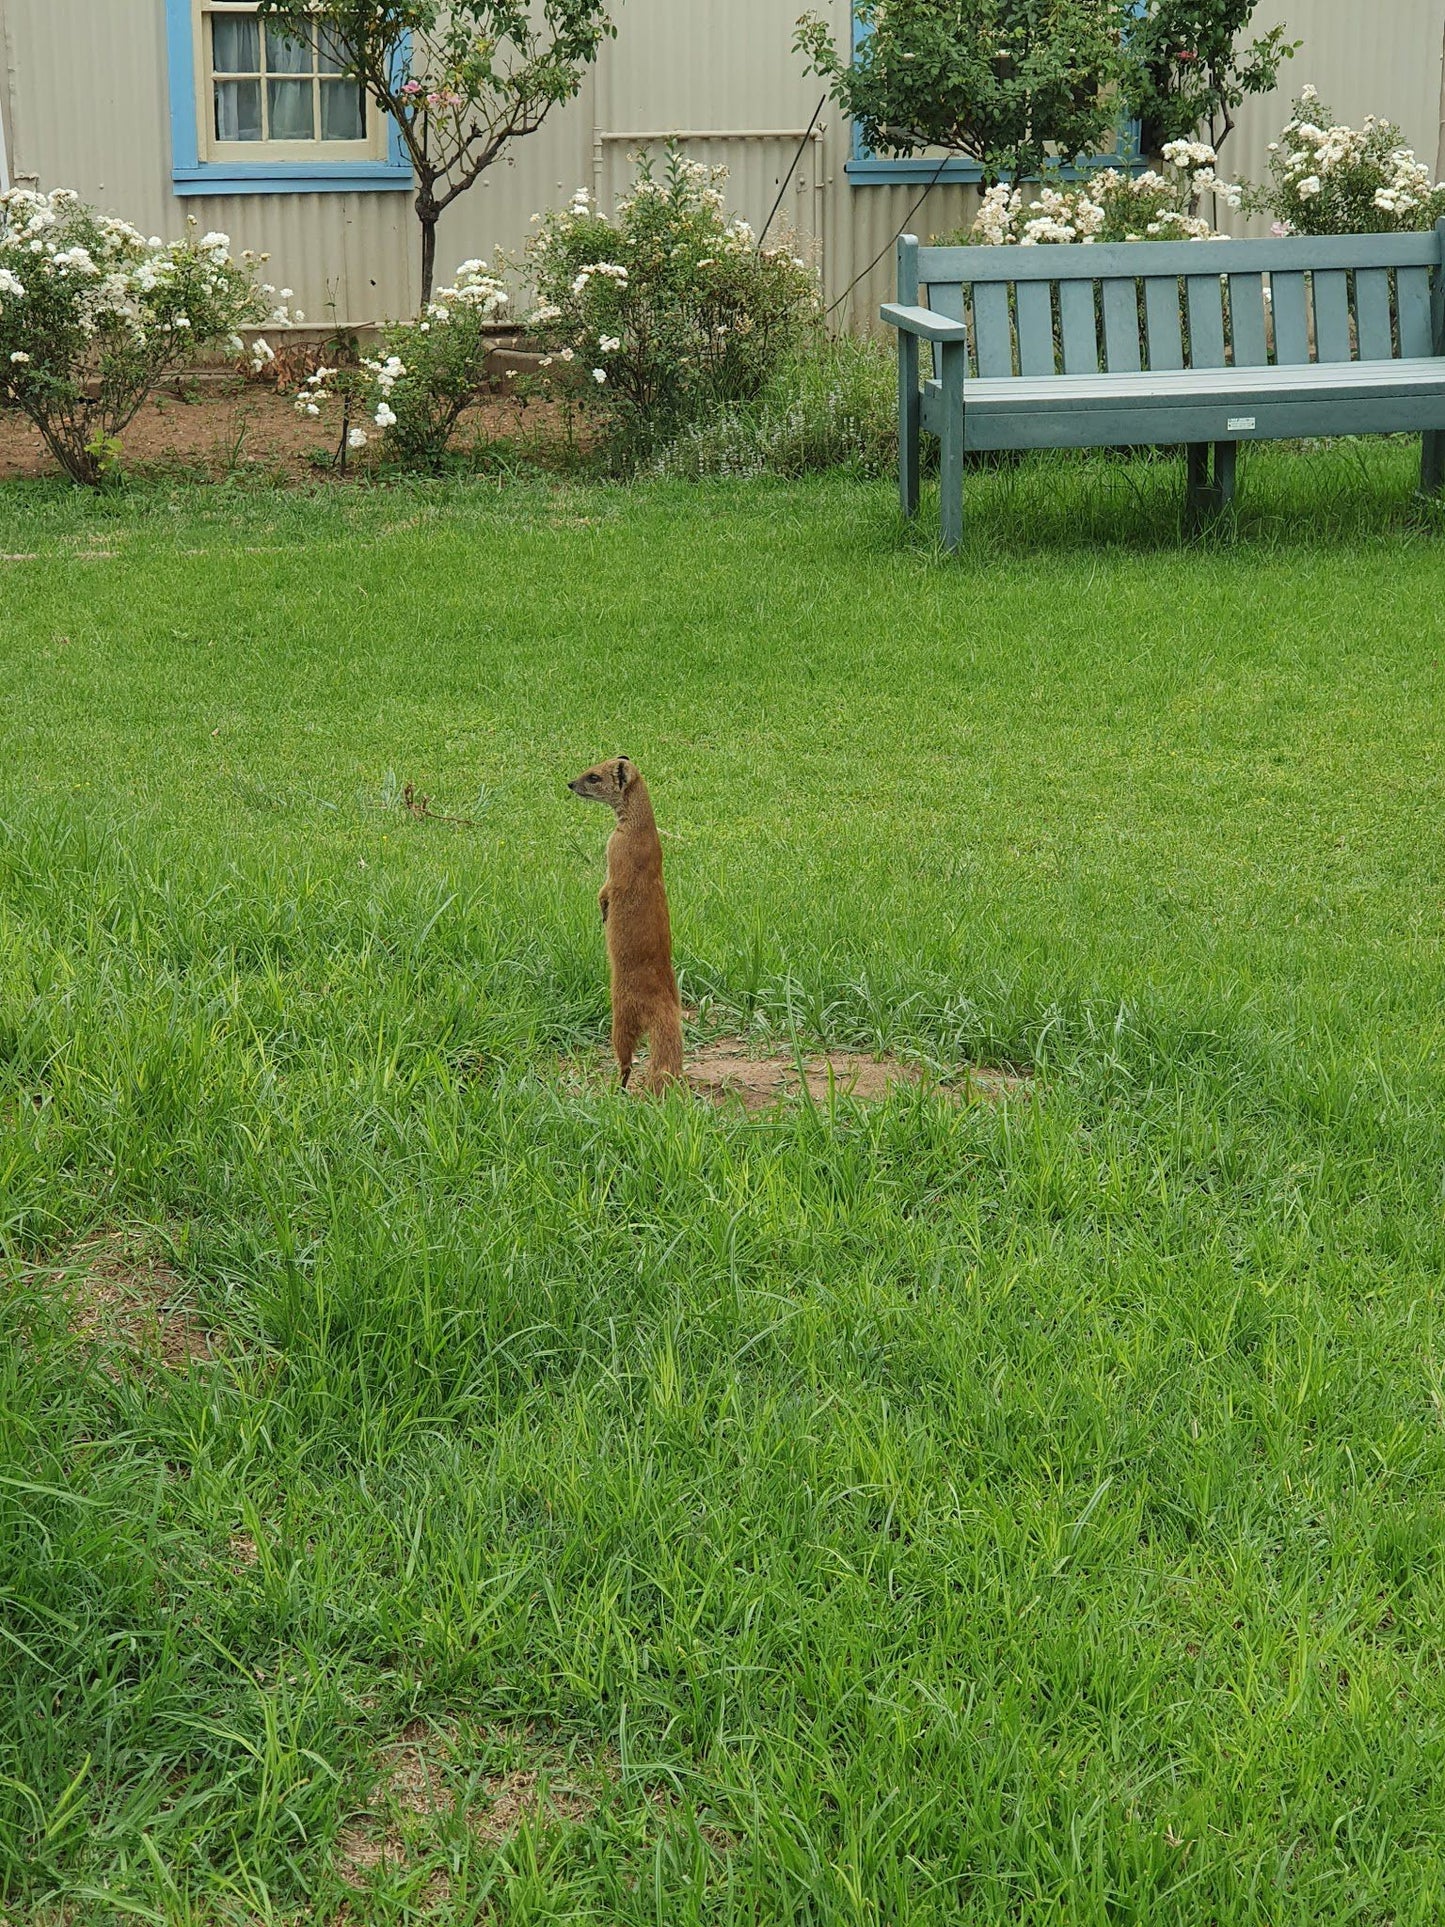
(866, 221)
(704, 65)
(89, 105)
(349, 259)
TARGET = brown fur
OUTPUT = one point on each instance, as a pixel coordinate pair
(645, 1002)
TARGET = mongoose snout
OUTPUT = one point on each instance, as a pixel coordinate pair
(633, 903)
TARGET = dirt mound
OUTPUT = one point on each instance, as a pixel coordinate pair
(731, 1068)
(129, 1303)
(422, 1778)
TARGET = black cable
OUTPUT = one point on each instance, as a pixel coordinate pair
(792, 167)
(864, 272)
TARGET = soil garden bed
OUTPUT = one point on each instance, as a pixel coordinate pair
(215, 429)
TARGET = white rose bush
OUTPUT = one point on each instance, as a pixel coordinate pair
(1111, 205)
(1329, 179)
(93, 314)
(666, 312)
(412, 392)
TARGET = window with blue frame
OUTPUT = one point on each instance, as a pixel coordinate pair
(865, 169)
(255, 111)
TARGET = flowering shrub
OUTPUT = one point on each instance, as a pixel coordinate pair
(1110, 205)
(1328, 179)
(668, 311)
(92, 315)
(427, 372)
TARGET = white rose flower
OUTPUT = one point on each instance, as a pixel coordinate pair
(599, 375)
(358, 438)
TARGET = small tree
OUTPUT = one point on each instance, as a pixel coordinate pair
(1012, 84)
(1187, 67)
(460, 78)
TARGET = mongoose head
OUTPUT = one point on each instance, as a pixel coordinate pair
(605, 782)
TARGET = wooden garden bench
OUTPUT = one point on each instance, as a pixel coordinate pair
(1200, 342)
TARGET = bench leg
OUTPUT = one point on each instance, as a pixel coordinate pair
(1198, 497)
(1224, 470)
(1207, 493)
(1432, 462)
(909, 410)
(950, 464)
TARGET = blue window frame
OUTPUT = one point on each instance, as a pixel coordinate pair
(191, 174)
(866, 169)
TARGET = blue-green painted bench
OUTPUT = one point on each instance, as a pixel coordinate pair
(1200, 342)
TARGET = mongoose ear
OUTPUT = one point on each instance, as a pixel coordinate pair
(624, 772)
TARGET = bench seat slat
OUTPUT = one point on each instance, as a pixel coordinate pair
(1216, 385)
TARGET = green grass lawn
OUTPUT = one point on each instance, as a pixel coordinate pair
(893, 1514)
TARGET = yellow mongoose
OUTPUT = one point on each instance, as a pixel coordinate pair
(639, 938)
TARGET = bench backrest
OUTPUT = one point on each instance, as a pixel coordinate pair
(1121, 307)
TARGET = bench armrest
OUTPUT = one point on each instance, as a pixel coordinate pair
(923, 322)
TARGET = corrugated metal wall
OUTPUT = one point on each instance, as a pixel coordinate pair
(88, 107)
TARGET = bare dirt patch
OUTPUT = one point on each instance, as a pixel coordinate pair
(221, 430)
(129, 1303)
(730, 1068)
(423, 1779)
(243, 1551)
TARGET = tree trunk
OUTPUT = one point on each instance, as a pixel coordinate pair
(428, 213)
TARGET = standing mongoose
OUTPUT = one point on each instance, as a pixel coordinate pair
(645, 1002)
